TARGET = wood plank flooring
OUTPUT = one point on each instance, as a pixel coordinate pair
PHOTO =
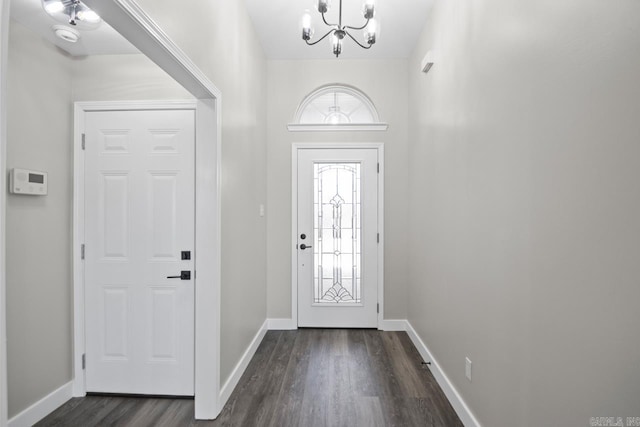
(308, 377)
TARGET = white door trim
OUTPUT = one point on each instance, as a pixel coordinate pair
(130, 20)
(294, 217)
(80, 109)
(4, 42)
(206, 314)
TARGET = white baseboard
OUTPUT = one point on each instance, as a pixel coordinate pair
(282, 324)
(237, 372)
(393, 325)
(459, 405)
(43, 407)
(289, 324)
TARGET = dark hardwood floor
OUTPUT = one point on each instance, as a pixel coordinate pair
(308, 377)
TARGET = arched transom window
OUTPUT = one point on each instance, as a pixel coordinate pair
(336, 107)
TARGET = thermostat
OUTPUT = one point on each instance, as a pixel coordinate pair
(23, 181)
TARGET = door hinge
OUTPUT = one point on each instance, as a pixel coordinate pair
(84, 361)
(378, 238)
(82, 251)
(378, 167)
(84, 138)
(378, 308)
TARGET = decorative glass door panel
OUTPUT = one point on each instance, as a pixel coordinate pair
(337, 225)
(337, 231)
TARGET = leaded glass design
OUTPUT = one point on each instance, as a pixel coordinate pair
(337, 233)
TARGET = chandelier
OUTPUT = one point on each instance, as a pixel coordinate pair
(73, 12)
(338, 31)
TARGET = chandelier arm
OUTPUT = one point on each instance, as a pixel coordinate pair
(326, 23)
(358, 28)
(360, 44)
(322, 38)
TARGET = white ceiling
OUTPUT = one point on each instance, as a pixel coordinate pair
(101, 41)
(278, 26)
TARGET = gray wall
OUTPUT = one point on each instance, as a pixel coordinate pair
(38, 241)
(525, 236)
(41, 283)
(218, 36)
(43, 85)
(289, 82)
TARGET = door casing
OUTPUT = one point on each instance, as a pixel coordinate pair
(294, 217)
(203, 228)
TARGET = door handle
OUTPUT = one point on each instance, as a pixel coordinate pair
(303, 246)
(184, 275)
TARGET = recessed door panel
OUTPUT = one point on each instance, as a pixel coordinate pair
(115, 323)
(163, 325)
(165, 141)
(163, 211)
(114, 203)
(114, 141)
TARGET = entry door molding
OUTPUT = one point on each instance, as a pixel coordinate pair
(296, 147)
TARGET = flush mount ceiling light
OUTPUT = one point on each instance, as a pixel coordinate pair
(72, 12)
(338, 31)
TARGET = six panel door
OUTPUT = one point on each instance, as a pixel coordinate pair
(139, 218)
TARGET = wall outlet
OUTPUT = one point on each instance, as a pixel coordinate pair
(261, 210)
(467, 368)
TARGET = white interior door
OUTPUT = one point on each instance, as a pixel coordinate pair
(337, 255)
(139, 217)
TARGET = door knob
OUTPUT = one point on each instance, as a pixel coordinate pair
(303, 246)
(184, 275)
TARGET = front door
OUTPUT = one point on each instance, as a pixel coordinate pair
(337, 234)
(139, 230)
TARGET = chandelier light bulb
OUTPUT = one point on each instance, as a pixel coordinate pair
(369, 9)
(336, 42)
(88, 15)
(371, 31)
(306, 26)
(306, 20)
(54, 7)
(324, 5)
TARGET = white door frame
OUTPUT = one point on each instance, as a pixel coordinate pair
(79, 176)
(126, 17)
(296, 146)
(4, 42)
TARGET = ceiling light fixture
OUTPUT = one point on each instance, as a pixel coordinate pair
(339, 31)
(67, 34)
(72, 12)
